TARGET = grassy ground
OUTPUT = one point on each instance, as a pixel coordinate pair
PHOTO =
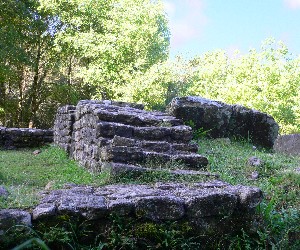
(25, 174)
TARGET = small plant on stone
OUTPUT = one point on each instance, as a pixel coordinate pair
(197, 133)
(164, 124)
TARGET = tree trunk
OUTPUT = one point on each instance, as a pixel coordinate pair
(35, 89)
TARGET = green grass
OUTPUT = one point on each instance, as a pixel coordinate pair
(277, 176)
(279, 181)
(25, 174)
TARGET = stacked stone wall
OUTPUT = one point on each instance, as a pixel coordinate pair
(63, 127)
(11, 138)
(98, 133)
(210, 209)
(219, 119)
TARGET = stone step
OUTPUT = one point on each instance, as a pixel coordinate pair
(127, 115)
(190, 161)
(155, 146)
(179, 134)
(121, 169)
(207, 207)
(135, 155)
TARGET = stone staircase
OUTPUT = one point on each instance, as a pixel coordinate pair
(101, 134)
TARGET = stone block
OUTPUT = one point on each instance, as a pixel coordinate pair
(288, 144)
(219, 119)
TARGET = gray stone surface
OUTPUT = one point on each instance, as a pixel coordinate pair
(160, 208)
(3, 192)
(208, 201)
(255, 161)
(288, 144)
(99, 132)
(119, 169)
(11, 138)
(63, 127)
(12, 217)
(208, 207)
(223, 120)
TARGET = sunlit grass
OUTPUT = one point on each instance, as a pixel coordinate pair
(25, 174)
(277, 175)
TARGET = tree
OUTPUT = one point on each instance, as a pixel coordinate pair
(56, 52)
(266, 80)
(25, 42)
(110, 41)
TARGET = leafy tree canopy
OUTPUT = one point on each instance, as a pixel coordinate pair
(267, 80)
(83, 48)
(111, 39)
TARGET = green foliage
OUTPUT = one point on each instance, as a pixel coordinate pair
(110, 40)
(197, 133)
(25, 60)
(156, 87)
(58, 52)
(32, 242)
(266, 80)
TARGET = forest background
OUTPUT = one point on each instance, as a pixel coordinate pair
(56, 52)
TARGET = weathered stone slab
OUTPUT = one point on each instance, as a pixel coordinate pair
(156, 208)
(126, 115)
(121, 169)
(211, 203)
(110, 129)
(222, 120)
(11, 138)
(288, 144)
(115, 103)
(137, 155)
(207, 202)
(12, 217)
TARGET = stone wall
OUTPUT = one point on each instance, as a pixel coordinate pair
(200, 204)
(24, 137)
(63, 127)
(210, 209)
(288, 144)
(102, 134)
(223, 120)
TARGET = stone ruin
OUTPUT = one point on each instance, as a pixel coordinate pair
(223, 120)
(123, 138)
(104, 135)
(288, 144)
(11, 138)
(211, 209)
